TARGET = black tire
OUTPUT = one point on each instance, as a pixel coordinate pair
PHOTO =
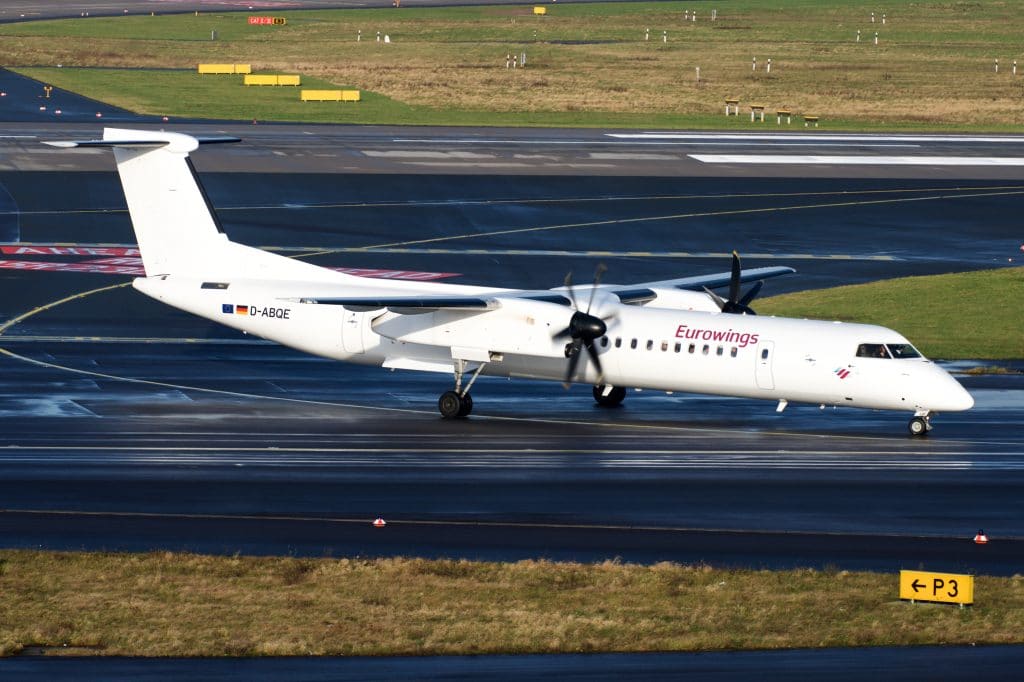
(467, 405)
(613, 399)
(450, 405)
(918, 426)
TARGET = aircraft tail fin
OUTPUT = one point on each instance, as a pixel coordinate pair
(175, 224)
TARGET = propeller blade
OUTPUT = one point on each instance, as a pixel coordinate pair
(601, 269)
(568, 287)
(734, 281)
(570, 372)
(751, 294)
(719, 301)
(596, 359)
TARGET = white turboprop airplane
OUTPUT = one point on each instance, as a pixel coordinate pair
(672, 335)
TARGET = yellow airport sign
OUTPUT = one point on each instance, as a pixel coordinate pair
(947, 588)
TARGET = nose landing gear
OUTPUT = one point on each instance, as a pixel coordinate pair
(920, 425)
(609, 396)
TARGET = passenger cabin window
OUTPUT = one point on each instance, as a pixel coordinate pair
(692, 348)
(650, 344)
(679, 347)
(632, 344)
(764, 354)
(719, 351)
(705, 349)
(664, 346)
(872, 350)
(733, 351)
(618, 342)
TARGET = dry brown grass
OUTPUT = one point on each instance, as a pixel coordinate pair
(934, 63)
(173, 605)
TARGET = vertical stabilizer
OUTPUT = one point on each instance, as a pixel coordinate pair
(174, 223)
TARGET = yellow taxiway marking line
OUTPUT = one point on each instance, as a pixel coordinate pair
(656, 218)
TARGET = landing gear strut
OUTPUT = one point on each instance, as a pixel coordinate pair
(458, 403)
(920, 425)
(609, 396)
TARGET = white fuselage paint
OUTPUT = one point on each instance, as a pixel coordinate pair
(763, 357)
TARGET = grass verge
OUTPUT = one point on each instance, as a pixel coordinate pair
(165, 604)
(587, 64)
(973, 315)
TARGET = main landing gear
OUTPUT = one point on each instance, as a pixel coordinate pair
(921, 424)
(459, 403)
(609, 396)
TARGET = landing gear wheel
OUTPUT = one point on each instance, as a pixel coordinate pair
(919, 426)
(613, 399)
(450, 405)
(467, 406)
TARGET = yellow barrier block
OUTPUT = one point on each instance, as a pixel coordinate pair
(216, 68)
(540, 10)
(320, 95)
(330, 95)
(243, 68)
(260, 80)
(289, 80)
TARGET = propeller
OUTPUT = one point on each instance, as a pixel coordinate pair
(583, 329)
(734, 304)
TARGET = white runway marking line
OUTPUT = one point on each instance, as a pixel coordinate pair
(692, 141)
(861, 160)
(470, 458)
(823, 137)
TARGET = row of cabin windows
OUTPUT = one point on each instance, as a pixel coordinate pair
(678, 348)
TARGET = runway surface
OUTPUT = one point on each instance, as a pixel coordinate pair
(937, 664)
(177, 433)
(127, 425)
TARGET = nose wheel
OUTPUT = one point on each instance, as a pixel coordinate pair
(609, 396)
(920, 425)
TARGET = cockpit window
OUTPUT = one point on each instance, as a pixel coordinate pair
(872, 350)
(902, 350)
(887, 351)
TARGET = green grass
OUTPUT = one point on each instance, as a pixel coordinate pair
(189, 605)
(975, 315)
(588, 65)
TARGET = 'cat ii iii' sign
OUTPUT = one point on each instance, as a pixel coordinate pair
(268, 21)
(948, 588)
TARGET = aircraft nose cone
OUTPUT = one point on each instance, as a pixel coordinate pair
(949, 396)
(964, 401)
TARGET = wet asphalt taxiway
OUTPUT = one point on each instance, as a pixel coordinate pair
(125, 425)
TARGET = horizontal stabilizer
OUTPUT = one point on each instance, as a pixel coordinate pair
(69, 144)
(421, 303)
(428, 303)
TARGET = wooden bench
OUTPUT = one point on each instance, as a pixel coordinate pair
(732, 105)
(756, 110)
(783, 112)
(809, 120)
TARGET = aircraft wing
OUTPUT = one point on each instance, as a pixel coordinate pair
(641, 293)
